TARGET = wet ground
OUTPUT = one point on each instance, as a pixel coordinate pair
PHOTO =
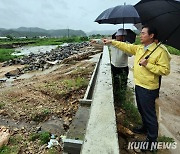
(43, 101)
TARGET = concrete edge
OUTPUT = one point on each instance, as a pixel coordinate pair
(101, 132)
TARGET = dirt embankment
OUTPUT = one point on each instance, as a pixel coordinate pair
(35, 100)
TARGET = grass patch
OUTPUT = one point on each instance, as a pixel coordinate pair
(14, 140)
(61, 88)
(5, 54)
(46, 41)
(39, 117)
(12, 146)
(64, 86)
(46, 111)
(15, 41)
(44, 137)
(76, 83)
(9, 149)
(165, 139)
(34, 137)
(132, 113)
(81, 71)
(58, 41)
(52, 88)
(2, 104)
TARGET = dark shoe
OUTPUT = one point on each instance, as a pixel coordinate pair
(140, 130)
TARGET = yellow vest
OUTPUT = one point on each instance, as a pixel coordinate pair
(158, 63)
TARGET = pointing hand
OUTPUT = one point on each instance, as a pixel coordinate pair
(106, 41)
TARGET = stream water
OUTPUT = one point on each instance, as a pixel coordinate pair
(26, 50)
(36, 49)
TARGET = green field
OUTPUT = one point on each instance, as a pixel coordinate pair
(5, 54)
(43, 41)
(173, 51)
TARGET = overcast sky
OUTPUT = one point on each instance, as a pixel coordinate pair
(57, 14)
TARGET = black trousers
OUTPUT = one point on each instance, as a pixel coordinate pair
(120, 77)
(146, 105)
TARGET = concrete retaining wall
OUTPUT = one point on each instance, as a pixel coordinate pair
(101, 132)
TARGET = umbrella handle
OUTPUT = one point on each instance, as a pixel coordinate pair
(147, 57)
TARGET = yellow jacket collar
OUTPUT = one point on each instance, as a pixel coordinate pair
(152, 46)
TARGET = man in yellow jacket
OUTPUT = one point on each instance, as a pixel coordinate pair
(146, 77)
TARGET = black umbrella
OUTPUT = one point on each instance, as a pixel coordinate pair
(119, 15)
(130, 37)
(164, 15)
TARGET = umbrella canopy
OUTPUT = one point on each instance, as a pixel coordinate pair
(119, 15)
(130, 37)
(164, 15)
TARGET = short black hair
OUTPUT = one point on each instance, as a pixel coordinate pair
(151, 30)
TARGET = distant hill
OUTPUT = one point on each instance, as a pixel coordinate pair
(2, 29)
(35, 31)
(64, 32)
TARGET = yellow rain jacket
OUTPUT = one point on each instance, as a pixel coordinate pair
(158, 63)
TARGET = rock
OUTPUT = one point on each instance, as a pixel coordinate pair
(13, 73)
(2, 111)
(125, 131)
(43, 147)
(4, 135)
(22, 113)
(66, 123)
(16, 129)
(43, 61)
(38, 128)
(3, 80)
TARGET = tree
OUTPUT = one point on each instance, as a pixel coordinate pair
(10, 37)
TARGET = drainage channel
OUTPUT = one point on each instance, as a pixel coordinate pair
(93, 129)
